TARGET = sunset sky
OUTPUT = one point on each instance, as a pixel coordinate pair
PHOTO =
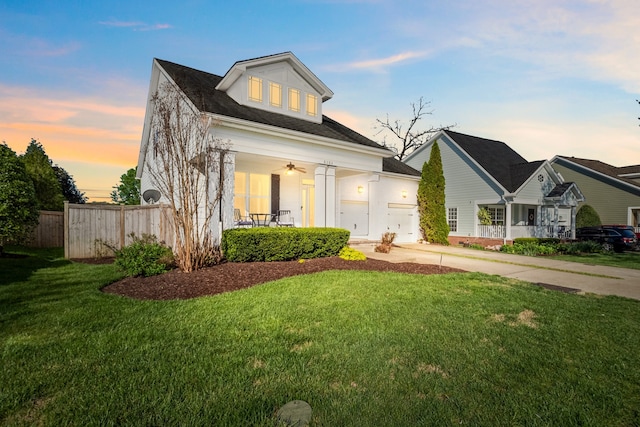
(545, 76)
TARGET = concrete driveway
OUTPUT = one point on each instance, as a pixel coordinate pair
(567, 276)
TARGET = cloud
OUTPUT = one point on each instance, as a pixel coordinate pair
(379, 64)
(135, 25)
(99, 135)
(591, 40)
(19, 45)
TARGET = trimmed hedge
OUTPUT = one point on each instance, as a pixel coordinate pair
(282, 243)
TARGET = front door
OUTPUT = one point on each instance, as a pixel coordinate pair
(531, 217)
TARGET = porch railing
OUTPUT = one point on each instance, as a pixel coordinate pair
(500, 231)
(492, 231)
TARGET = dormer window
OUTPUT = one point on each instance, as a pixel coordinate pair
(255, 89)
(312, 105)
(275, 94)
(294, 100)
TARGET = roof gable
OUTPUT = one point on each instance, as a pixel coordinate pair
(240, 67)
(506, 166)
(200, 88)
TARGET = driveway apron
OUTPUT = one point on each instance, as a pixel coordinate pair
(554, 274)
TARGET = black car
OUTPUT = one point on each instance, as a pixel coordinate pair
(609, 238)
(628, 234)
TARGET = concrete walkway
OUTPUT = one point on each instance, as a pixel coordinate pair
(575, 276)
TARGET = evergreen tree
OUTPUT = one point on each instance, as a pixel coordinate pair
(431, 200)
(45, 181)
(69, 190)
(128, 192)
(18, 204)
(587, 216)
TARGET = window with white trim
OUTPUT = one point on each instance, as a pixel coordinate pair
(312, 105)
(294, 100)
(452, 219)
(252, 193)
(275, 94)
(497, 215)
(255, 89)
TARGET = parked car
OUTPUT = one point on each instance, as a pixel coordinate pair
(619, 227)
(609, 238)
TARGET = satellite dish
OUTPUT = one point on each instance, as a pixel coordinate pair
(151, 196)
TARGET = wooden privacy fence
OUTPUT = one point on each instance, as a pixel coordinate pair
(92, 230)
(50, 231)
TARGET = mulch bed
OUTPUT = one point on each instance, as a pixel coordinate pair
(229, 277)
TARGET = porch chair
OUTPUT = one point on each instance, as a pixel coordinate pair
(241, 221)
(284, 219)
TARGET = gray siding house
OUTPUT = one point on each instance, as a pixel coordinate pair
(524, 199)
(614, 192)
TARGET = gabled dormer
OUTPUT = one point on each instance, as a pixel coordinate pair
(278, 83)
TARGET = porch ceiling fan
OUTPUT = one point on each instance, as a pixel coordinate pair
(291, 168)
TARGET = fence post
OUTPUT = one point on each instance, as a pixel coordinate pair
(122, 234)
(65, 223)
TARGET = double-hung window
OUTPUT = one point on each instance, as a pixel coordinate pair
(255, 89)
(452, 219)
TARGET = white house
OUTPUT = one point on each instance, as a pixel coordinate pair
(524, 199)
(286, 155)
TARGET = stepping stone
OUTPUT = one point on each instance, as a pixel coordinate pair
(296, 413)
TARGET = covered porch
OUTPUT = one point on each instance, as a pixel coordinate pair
(554, 217)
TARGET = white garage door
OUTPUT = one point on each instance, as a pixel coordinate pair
(354, 216)
(400, 221)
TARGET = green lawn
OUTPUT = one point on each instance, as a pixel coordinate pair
(363, 348)
(624, 260)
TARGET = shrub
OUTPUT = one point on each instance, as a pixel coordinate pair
(576, 248)
(282, 243)
(530, 248)
(484, 216)
(587, 216)
(350, 254)
(386, 242)
(145, 256)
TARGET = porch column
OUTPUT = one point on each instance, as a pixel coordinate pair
(507, 221)
(555, 220)
(573, 222)
(330, 197)
(228, 168)
(320, 196)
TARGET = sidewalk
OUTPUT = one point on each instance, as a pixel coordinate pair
(574, 276)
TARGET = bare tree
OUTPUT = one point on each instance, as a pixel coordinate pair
(188, 171)
(407, 139)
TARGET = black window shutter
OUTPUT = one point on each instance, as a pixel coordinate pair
(275, 194)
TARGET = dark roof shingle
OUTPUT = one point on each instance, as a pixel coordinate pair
(509, 168)
(199, 86)
(607, 169)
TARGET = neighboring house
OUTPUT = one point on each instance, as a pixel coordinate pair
(614, 192)
(286, 155)
(524, 199)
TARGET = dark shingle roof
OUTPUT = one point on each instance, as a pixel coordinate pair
(509, 168)
(199, 86)
(607, 169)
(559, 189)
(393, 165)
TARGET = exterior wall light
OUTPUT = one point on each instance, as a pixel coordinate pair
(404, 194)
(360, 189)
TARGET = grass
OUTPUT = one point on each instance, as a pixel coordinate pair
(363, 348)
(623, 260)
